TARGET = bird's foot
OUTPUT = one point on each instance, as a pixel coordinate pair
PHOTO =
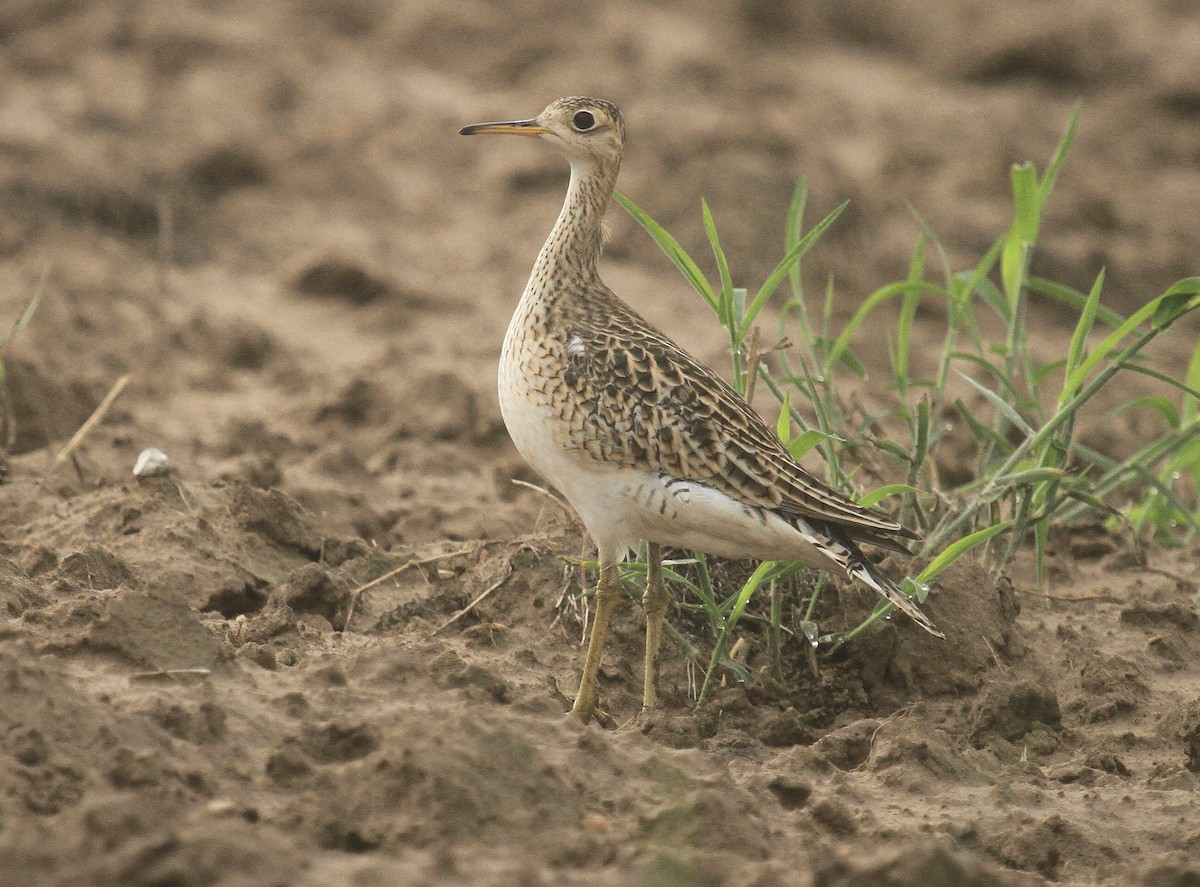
(648, 720)
(587, 710)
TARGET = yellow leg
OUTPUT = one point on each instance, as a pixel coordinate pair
(655, 604)
(608, 595)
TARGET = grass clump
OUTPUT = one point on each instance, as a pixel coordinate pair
(1031, 472)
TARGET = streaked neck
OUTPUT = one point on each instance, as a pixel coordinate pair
(572, 250)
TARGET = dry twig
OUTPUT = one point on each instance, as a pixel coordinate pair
(92, 421)
(378, 580)
(471, 606)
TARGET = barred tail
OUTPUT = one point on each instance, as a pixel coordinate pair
(835, 543)
(871, 575)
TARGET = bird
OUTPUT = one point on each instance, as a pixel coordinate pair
(645, 442)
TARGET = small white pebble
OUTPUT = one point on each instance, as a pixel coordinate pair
(220, 807)
(151, 463)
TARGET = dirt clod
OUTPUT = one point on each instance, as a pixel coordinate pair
(93, 566)
(313, 589)
(915, 867)
(334, 278)
(1010, 710)
(155, 631)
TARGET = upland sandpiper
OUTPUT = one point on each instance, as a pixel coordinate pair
(643, 441)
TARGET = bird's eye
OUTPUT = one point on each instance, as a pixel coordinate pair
(583, 121)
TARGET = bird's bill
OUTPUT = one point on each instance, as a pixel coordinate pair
(506, 128)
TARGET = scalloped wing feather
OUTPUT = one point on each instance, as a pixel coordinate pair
(644, 401)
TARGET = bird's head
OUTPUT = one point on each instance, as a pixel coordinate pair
(586, 130)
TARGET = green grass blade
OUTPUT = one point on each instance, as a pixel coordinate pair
(882, 443)
(1189, 409)
(726, 296)
(30, 309)
(957, 549)
(783, 268)
(1060, 155)
(1176, 509)
(1041, 532)
(791, 237)
(996, 372)
(881, 493)
(908, 311)
(921, 433)
(981, 432)
(1092, 501)
(1001, 485)
(1087, 319)
(1001, 405)
(1190, 392)
(739, 605)
(673, 250)
(1176, 302)
(1023, 233)
(1136, 469)
(783, 425)
(1042, 373)
(873, 301)
(708, 597)
(1182, 295)
(1072, 298)
(1161, 405)
(797, 305)
(799, 447)
(1028, 206)
(676, 576)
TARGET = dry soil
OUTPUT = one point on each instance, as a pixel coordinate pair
(263, 214)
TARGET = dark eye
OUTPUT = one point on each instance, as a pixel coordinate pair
(583, 121)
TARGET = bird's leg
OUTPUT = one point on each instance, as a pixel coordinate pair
(608, 595)
(655, 604)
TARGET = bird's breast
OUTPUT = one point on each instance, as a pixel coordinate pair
(534, 396)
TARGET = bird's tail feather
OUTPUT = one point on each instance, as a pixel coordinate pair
(835, 543)
(871, 575)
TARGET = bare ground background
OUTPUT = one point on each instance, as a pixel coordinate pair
(262, 212)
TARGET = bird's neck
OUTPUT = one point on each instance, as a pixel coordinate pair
(572, 251)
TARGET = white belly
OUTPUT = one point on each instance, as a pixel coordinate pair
(621, 504)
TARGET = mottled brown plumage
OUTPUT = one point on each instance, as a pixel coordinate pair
(644, 441)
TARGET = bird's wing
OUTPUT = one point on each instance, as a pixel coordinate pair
(648, 402)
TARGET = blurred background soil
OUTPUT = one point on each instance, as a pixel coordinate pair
(262, 213)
